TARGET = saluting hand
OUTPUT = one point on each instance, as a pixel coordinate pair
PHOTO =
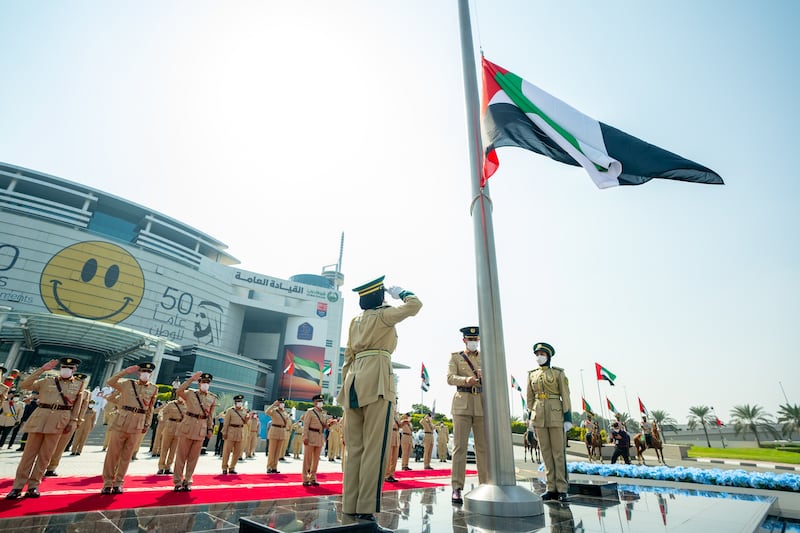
(132, 369)
(196, 375)
(50, 365)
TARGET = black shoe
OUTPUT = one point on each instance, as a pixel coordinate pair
(563, 497)
(186, 487)
(14, 494)
(282, 460)
(160, 471)
(364, 516)
(456, 498)
(406, 468)
(178, 488)
(116, 490)
(429, 467)
(106, 490)
(391, 479)
(550, 495)
(21, 449)
(32, 493)
(168, 472)
(232, 471)
(224, 472)
(50, 473)
(314, 484)
(306, 483)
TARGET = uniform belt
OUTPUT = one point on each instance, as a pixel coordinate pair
(547, 396)
(370, 353)
(134, 409)
(429, 432)
(473, 390)
(195, 415)
(175, 419)
(394, 429)
(236, 425)
(314, 430)
(56, 407)
(277, 426)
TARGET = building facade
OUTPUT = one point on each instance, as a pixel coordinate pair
(113, 283)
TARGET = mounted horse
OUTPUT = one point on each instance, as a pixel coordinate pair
(641, 445)
(594, 444)
(532, 444)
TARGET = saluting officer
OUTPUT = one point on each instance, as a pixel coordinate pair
(551, 410)
(137, 399)
(172, 414)
(234, 425)
(315, 420)
(394, 447)
(65, 438)
(406, 439)
(442, 438)
(367, 393)
(427, 441)
(464, 372)
(58, 412)
(197, 425)
(276, 434)
(334, 440)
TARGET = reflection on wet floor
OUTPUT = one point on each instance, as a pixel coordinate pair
(637, 508)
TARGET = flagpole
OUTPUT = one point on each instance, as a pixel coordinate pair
(499, 496)
(602, 410)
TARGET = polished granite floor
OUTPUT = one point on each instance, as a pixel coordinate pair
(638, 509)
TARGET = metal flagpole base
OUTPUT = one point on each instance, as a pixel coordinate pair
(503, 500)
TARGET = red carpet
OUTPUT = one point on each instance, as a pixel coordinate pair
(82, 494)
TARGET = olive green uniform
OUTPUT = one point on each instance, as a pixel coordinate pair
(548, 396)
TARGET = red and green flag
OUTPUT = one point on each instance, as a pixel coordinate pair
(515, 385)
(604, 374)
(585, 406)
(611, 406)
(328, 370)
(426, 382)
(719, 422)
(642, 408)
(519, 114)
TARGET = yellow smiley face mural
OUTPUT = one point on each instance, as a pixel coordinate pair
(94, 280)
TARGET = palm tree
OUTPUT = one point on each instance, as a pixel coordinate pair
(790, 416)
(700, 414)
(749, 418)
(661, 418)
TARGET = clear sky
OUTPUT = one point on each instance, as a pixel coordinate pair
(276, 126)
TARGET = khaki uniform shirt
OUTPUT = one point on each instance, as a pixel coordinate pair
(442, 436)
(548, 396)
(136, 403)
(280, 422)
(395, 438)
(464, 403)
(11, 413)
(427, 426)
(234, 424)
(51, 416)
(171, 414)
(367, 358)
(199, 416)
(314, 422)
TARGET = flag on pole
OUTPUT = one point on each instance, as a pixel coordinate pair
(328, 370)
(289, 368)
(585, 406)
(719, 422)
(524, 405)
(426, 382)
(611, 405)
(642, 408)
(604, 374)
(517, 113)
(515, 385)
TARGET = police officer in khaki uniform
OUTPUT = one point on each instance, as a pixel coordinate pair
(394, 447)
(85, 426)
(234, 425)
(297, 439)
(406, 440)
(442, 438)
(197, 425)
(58, 412)
(172, 414)
(276, 434)
(427, 441)
(551, 412)
(11, 408)
(464, 372)
(368, 392)
(65, 438)
(334, 441)
(315, 420)
(137, 399)
(253, 426)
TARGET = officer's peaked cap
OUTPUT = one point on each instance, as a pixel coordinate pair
(147, 366)
(470, 331)
(317, 397)
(370, 287)
(69, 361)
(544, 346)
(205, 376)
(238, 397)
(281, 399)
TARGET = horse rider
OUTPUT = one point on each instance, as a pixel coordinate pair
(647, 431)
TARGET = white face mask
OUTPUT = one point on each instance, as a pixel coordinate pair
(472, 346)
(204, 387)
(280, 406)
(541, 360)
(66, 373)
(318, 404)
(144, 376)
(238, 404)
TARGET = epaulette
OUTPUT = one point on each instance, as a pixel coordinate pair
(557, 368)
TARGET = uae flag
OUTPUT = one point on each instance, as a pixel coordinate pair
(289, 368)
(328, 370)
(611, 406)
(517, 113)
(426, 382)
(719, 422)
(515, 385)
(585, 406)
(642, 408)
(604, 374)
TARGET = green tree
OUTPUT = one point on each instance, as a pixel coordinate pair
(701, 414)
(661, 418)
(420, 409)
(750, 418)
(789, 416)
